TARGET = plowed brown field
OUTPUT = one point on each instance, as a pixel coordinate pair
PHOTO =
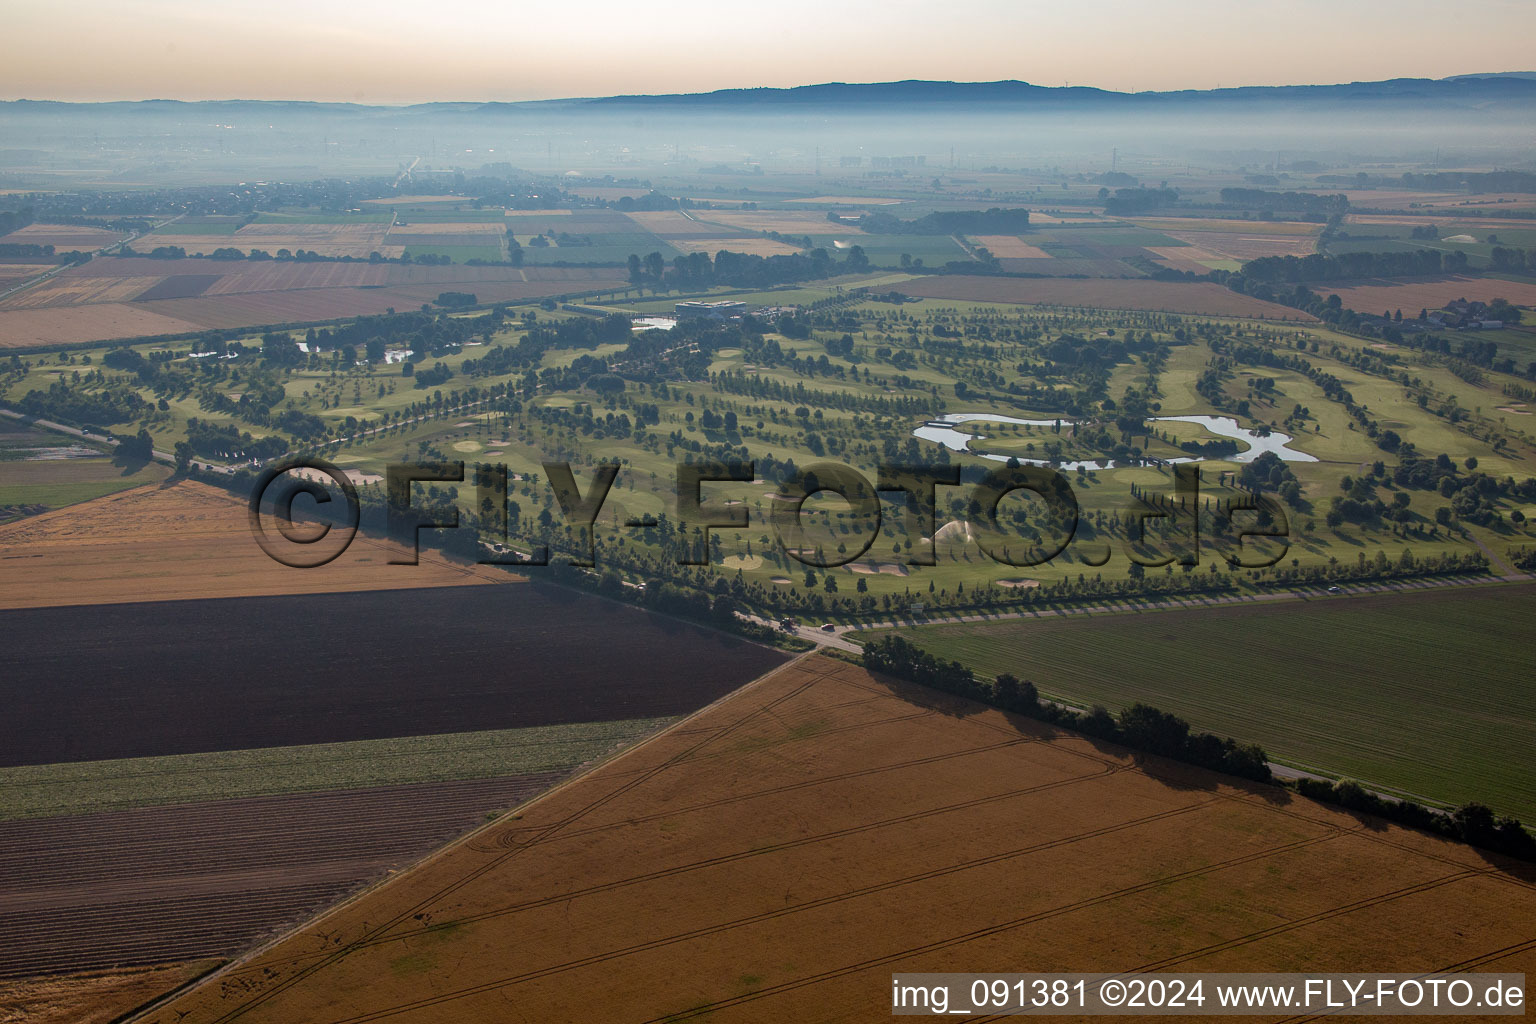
(185, 541)
(91, 302)
(779, 855)
(149, 886)
(1411, 294)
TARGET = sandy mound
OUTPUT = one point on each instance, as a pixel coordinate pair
(954, 532)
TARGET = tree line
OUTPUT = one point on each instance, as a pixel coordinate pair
(1349, 265)
(1146, 728)
(1139, 726)
(1287, 202)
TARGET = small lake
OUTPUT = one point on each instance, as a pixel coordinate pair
(652, 323)
(942, 431)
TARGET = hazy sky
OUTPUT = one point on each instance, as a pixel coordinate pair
(391, 51)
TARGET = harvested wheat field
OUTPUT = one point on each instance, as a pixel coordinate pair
(671, 224)
(87, 304)
(358, 239)
(1189, 258)
(67, 290)
(96, 998)
(11, 273)
(1243, 227)
(64, 237)
(73, 325)
(1247, 245)
(789, 222)
(1161, 296)
(183, 541)
(750, 246)
(1411, 294)
(849, 200)
(1010, 247)
(490, 229)
(777, 856)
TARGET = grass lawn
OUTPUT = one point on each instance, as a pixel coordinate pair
(1428, 694)
(58, 483)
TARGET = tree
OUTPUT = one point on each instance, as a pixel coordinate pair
(1015, 695)
(184, 453)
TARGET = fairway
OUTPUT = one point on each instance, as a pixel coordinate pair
(1427, 694)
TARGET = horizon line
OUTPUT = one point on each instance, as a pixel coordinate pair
(767, 89)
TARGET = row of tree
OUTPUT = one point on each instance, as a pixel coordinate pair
(1146, 728)
(1139, 726)
(1350, 265)
(1286, 202)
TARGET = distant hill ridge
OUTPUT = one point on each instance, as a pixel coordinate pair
(1504, 88)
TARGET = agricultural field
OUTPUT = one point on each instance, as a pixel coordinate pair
(356, 238)
(1202, 298)
(73, 325)
(15, 273)
(63, 237)
(135, 888)
(124, 688)
(1411, 294)
(1417, 694)
(798, 893)
(96, 997)
(1228, 243)
(111, 298)
(42, 470)
(1095, 248)
(292, 787)
(751, 246)
(93, 787)
(182, 542)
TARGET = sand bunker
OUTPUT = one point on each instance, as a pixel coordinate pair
(887, 568)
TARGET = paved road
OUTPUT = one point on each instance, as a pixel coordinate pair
(49, 275)
(107, 439)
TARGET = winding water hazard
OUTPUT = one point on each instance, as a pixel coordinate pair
(943, 431)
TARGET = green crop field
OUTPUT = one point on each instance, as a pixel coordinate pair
(457, 253)
(85, 788)
(1424, 694)
(41, 468)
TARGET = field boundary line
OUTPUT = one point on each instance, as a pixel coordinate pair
(238, 963)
